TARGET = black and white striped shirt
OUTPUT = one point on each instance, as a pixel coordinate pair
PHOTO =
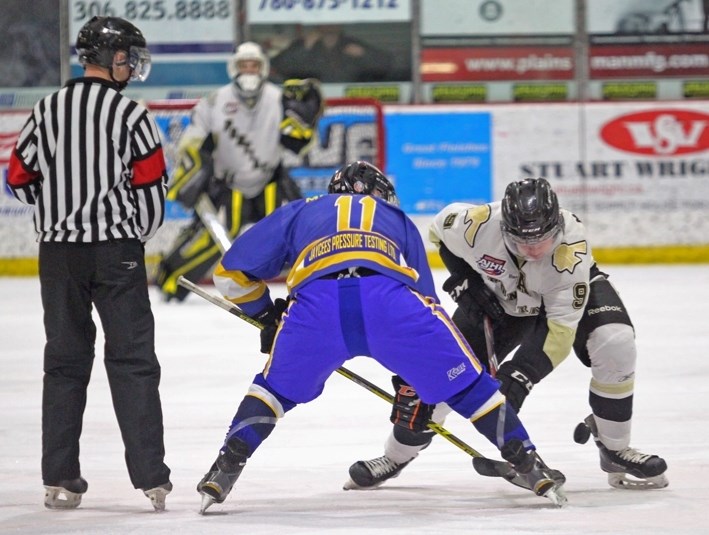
(91, 161)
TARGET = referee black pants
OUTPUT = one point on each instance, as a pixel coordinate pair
(111, 276)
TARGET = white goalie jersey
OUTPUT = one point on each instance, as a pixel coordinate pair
(559, 281)
(247, 140)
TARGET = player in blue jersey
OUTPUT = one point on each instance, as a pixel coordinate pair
(360, 285)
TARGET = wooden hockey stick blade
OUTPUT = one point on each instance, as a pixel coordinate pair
(361, 381)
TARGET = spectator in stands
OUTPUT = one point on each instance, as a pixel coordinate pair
(326, 53)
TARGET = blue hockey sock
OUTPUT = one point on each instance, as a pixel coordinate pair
(502, 424)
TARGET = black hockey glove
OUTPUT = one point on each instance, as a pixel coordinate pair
(514, 384)
(472, 296)
(270, 318)
(408, 410)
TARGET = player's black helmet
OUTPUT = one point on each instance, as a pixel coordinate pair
(363, 178)
(530, 211)
(101, 37)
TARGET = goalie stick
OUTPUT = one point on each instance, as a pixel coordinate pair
(482, 465)
(207, 214)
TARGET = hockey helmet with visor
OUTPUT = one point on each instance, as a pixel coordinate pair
(532, 224)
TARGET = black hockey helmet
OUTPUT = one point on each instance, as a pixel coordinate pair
(363, 178)
(530, 211)
(101, 37)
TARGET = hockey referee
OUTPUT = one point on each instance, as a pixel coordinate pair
(90, 161)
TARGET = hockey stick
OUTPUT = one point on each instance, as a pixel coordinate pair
(490, 345)
(207, 213)
(361, 381)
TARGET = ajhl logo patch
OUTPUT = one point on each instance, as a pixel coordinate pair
(662, 132)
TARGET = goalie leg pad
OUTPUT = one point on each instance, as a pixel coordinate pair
(193, 255)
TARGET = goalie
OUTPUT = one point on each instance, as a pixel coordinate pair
(230, 169)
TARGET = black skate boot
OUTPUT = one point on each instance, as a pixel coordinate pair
(366, 475)
(217, 483)
(65, 494)
(647, 471)
(539, 477)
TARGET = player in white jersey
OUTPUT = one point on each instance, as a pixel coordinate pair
(231, 160)
(526, 265)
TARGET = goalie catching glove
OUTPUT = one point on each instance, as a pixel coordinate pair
(270, 318)
(303, 104)
(408, 411)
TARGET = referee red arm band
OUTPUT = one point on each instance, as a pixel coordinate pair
(150, 169)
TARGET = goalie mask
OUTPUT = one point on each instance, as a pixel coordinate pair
(363, 178)
(248, 69)
(532, 225)
(101, 37)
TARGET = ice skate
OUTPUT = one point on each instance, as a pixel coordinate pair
(66, 494)
(366, 475)
(216, 484)
(157, 495)
(539, 477)
(627, 468)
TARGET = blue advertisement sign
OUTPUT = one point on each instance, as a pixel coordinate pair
(439, 157)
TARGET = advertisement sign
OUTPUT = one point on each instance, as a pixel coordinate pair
(439, 155)
(328, 11)
(508, 63)
(655, 61)
(636, 174)
(500, 17)
(189, 40)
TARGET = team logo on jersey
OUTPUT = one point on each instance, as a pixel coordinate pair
(568, 255)
(230, 108)
(449, 220)
(491, 265)
(474, 218)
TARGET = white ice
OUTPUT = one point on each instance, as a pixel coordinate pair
(293, 484)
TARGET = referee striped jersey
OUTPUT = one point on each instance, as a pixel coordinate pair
(91, 161)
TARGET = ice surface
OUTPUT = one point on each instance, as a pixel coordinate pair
(293, 484)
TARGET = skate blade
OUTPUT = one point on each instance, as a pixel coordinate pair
(620, 480)
(551, 490)
(207, 502)
(60, 498)
(351, 485)
(157, 498)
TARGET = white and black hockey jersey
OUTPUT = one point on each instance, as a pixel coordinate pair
(247, 140)
(559, 281)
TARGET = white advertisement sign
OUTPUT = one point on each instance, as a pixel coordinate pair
(163, 21)
(328, 11)
(496, 17)
(637, 174)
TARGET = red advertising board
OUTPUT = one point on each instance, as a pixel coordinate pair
(497, 63)
(656, 61)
